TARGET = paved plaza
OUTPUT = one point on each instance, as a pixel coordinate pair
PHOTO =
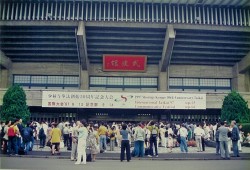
(59, 164)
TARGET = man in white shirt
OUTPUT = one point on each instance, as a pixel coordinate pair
(183, 138)
(199, 132)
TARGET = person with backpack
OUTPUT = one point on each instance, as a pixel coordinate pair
(12, 138)
(42, 137)
(154, 131)
(26, 134)
(235, 136)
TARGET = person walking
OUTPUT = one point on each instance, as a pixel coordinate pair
(154, 131)
(183, 137)
(199, 133)
(235, 138)
(139, 139)
(125, 144)
(82, 141)
(223, 138)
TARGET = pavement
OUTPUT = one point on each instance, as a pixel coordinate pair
(56, 164)
(164, 154)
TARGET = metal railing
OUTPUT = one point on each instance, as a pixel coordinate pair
(124, 12)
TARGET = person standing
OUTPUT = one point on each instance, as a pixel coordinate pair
(217, 134)
(42, 135)
(125, 143)
(66, 135)
(55, 139)
(199, 133)
(223, 138)
(74, 141)
(5, 137)
(154, 131)
(93, 140)
(162, 131)
(82, 142)
(13, 133)
(139, 138)
(26, 134)
(112, 138)
(235, 138)
(170, 139)
(183, 137)
(241, 138)
(102, 131)
(19, 124)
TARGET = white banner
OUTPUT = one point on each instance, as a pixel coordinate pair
(81, 99)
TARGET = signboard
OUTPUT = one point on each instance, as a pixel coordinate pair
(66, 99)
(135, 63)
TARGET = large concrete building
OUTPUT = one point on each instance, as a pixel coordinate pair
(189, 47)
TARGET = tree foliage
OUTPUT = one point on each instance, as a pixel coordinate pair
(235, 108)
(14, 105)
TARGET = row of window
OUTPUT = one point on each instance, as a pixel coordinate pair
(124, 11)
(199, 84)
(123, 83)
(46, 82)
(194, 117)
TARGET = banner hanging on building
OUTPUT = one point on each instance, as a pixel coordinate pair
(136, 63)
(67, 99)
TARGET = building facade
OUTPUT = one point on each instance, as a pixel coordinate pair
(191, 46)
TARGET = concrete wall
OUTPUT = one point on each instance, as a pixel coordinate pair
(200, 71)
(46, 68)
(238, 80)
(214, 100)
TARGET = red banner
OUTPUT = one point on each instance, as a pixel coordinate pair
(136, 63)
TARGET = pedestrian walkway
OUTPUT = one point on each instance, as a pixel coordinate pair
(209, 154)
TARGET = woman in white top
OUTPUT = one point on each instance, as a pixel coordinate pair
(82, 140)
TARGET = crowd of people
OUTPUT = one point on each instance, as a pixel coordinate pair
(98, 137)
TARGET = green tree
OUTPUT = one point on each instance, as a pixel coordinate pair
(235, 108)
(14, 105)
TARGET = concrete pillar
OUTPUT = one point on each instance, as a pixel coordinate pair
(247, 81)
(84, 78)
(4, 78)
(163, 81)
(238, 81)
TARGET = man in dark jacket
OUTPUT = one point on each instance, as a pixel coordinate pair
(235, 137)
(27, 134)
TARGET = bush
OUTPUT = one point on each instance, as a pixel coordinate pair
(235, 108)
(14, 105)
(246, 128)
